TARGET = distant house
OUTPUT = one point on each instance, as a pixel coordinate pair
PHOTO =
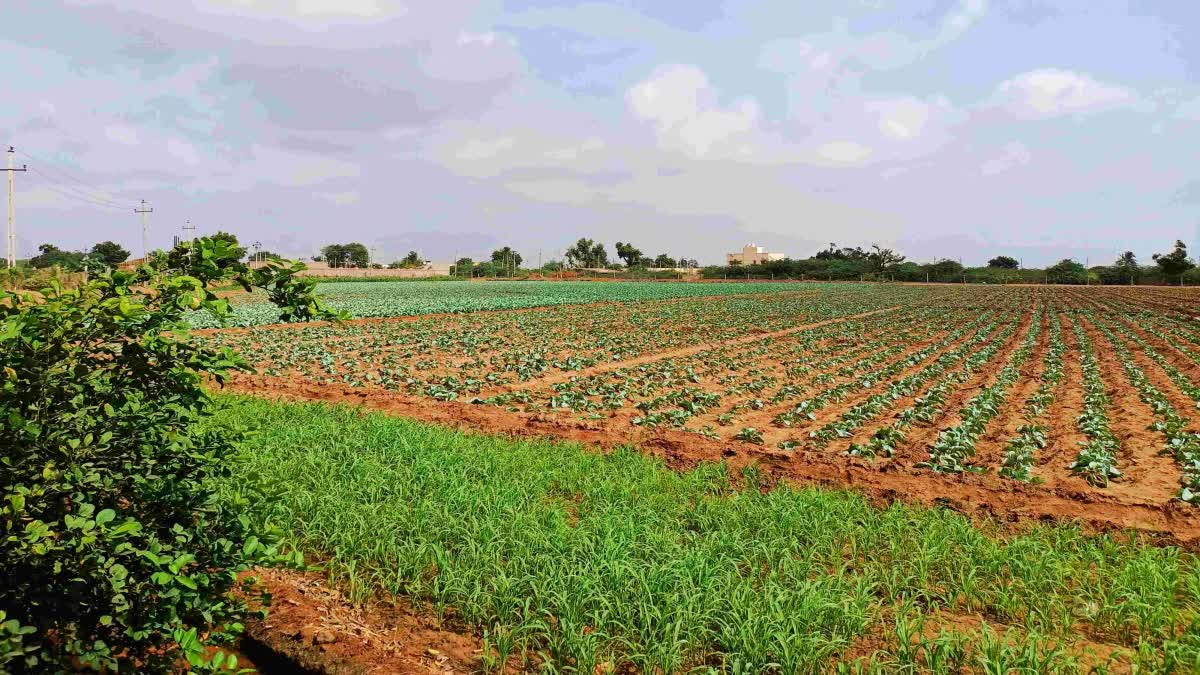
(752, 254)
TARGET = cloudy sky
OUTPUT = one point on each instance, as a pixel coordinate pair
(948, 128)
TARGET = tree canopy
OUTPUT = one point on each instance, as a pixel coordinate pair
(1175, 263)
(1004, 262)
(587, 253)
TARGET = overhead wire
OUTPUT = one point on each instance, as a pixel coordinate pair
(67, 181)
(58, 188)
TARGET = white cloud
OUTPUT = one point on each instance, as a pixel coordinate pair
(310, 170)
(1015, 154)
(844, 152)
(476, 149)
(122, 134)
(306, 8)
(183, 151)
(574, 151)
(682, 105)
(339, 198)
(1050, 92)
(901, 119)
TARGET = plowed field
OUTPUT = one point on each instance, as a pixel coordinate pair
(1020, 402)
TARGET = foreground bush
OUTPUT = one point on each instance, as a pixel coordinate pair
(115, 554)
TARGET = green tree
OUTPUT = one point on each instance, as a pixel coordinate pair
(1066, 271)
(882, 259)
(506, 261)
(629, 254)
(1127, 268)
(664, 260)
(232, 241)
(353, 254)
(412, 260)
(109, 253)
(50, 255)
(587, 253)
(126, 560)
(463, 267)
(1175, 263)
(1004, 262)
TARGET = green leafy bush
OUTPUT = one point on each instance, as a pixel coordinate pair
(117, 556)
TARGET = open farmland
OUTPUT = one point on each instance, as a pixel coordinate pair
(1034, 402)
(408, 298)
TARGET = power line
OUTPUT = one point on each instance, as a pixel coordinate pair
(81, 194)
(96, 193)
(57, 188)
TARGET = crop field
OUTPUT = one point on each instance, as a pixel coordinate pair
(1076, 403)
(408, 298)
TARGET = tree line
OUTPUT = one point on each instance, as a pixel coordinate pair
(884, 264)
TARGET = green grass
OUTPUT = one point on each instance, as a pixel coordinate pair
(585, 559)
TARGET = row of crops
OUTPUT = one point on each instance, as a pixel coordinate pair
(945, 379)
(412, 298)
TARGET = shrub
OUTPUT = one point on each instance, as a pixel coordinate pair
(116, 554)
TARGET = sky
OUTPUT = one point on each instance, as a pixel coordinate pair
(944, 128)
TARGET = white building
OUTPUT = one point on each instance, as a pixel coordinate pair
(752, 254)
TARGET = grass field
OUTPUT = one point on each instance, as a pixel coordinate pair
(715, 533)
(589, 562)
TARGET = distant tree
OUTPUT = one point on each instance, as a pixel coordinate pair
(485, 269)
(1004, 262)
(628, 253)
(506, 260)
(1127, 268)
(463, 267)
(412, 260)
(267, 255)
(587, 253)
(1175, 263)
(50, 255)
(345, 255)
(664, 260)
(882, 259)
(945, 270)
(232, 240)
(109, 253)
(845, 253)
(1066, 271)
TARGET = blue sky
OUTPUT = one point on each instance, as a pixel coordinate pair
(946, 128)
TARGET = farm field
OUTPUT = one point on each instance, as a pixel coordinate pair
(1022, 402)
(449, 551)
(408, 298)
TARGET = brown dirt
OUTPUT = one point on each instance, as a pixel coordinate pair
(975, 495)
(1146, 474)
(315, 627)
(1063, 438)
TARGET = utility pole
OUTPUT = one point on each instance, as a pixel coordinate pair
(257, 246)
(12, 208)
(143, 210)
(189, 236)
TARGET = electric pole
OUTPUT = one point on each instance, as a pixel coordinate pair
(189, 236)
(12, 209)
(143, 210)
